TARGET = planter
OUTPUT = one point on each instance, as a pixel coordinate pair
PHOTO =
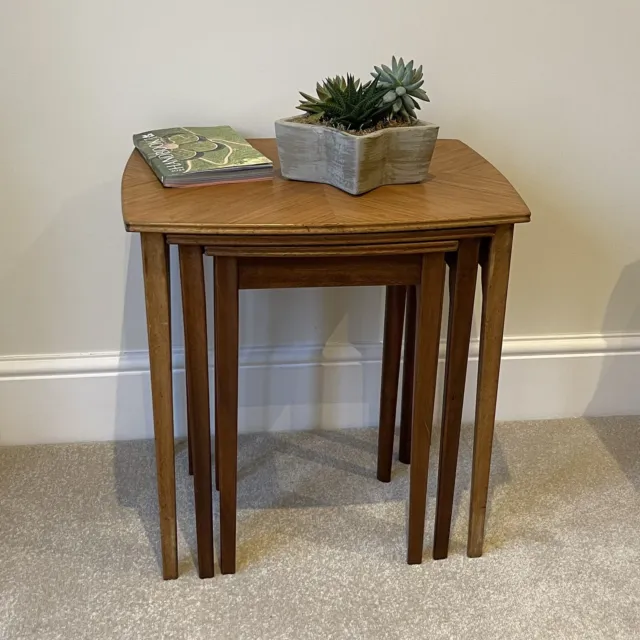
(355, 164)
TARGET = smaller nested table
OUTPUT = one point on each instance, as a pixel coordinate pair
(294, 234)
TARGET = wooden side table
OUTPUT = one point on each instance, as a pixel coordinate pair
(286, 233)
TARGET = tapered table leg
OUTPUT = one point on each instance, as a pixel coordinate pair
(155, 266)
(197, 375)
(391, 353)
(463, 273)
(216, 455)
(495, 279)
(189, 413)
(406, 410)
(428, 320)
(226, 383)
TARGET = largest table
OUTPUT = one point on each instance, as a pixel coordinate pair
(284, 234)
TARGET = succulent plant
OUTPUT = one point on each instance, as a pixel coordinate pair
(347, 103)
(314, 107)
(402, 83)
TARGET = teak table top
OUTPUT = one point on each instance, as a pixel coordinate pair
(464, 190)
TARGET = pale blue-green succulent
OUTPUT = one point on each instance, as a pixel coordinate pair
(402, 83)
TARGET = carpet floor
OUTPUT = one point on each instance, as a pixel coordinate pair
(321, 543)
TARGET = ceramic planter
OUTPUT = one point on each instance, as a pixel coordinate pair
(355, 164)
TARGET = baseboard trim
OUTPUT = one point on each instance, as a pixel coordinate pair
(105, 396)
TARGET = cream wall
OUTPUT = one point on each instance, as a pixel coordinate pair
(546, 90)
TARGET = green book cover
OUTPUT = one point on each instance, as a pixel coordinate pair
(198, 154)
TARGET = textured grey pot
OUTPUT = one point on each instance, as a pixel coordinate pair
(355, 164)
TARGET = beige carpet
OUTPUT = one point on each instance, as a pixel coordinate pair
(322, 543)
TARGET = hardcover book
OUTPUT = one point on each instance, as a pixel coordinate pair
(196, 156)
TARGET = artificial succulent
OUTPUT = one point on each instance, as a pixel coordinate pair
(402, 83)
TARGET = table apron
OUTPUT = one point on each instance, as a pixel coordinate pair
(341, 271)
(299, 239)
(387, 249)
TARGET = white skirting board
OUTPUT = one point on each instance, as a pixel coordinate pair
(106, 396)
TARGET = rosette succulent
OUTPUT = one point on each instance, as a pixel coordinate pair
(402, 83)
(314, 107)
(347, 103)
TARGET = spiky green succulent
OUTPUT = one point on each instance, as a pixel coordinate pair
(314, 106)
(402, 83)
(346, 103)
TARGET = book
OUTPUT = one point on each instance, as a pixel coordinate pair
(198, 156)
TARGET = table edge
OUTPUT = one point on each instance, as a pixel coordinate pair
(293, 229)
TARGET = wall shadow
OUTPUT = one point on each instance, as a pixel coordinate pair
(619, 382)
(316, 318)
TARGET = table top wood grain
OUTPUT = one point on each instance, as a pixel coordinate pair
(464, 190)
